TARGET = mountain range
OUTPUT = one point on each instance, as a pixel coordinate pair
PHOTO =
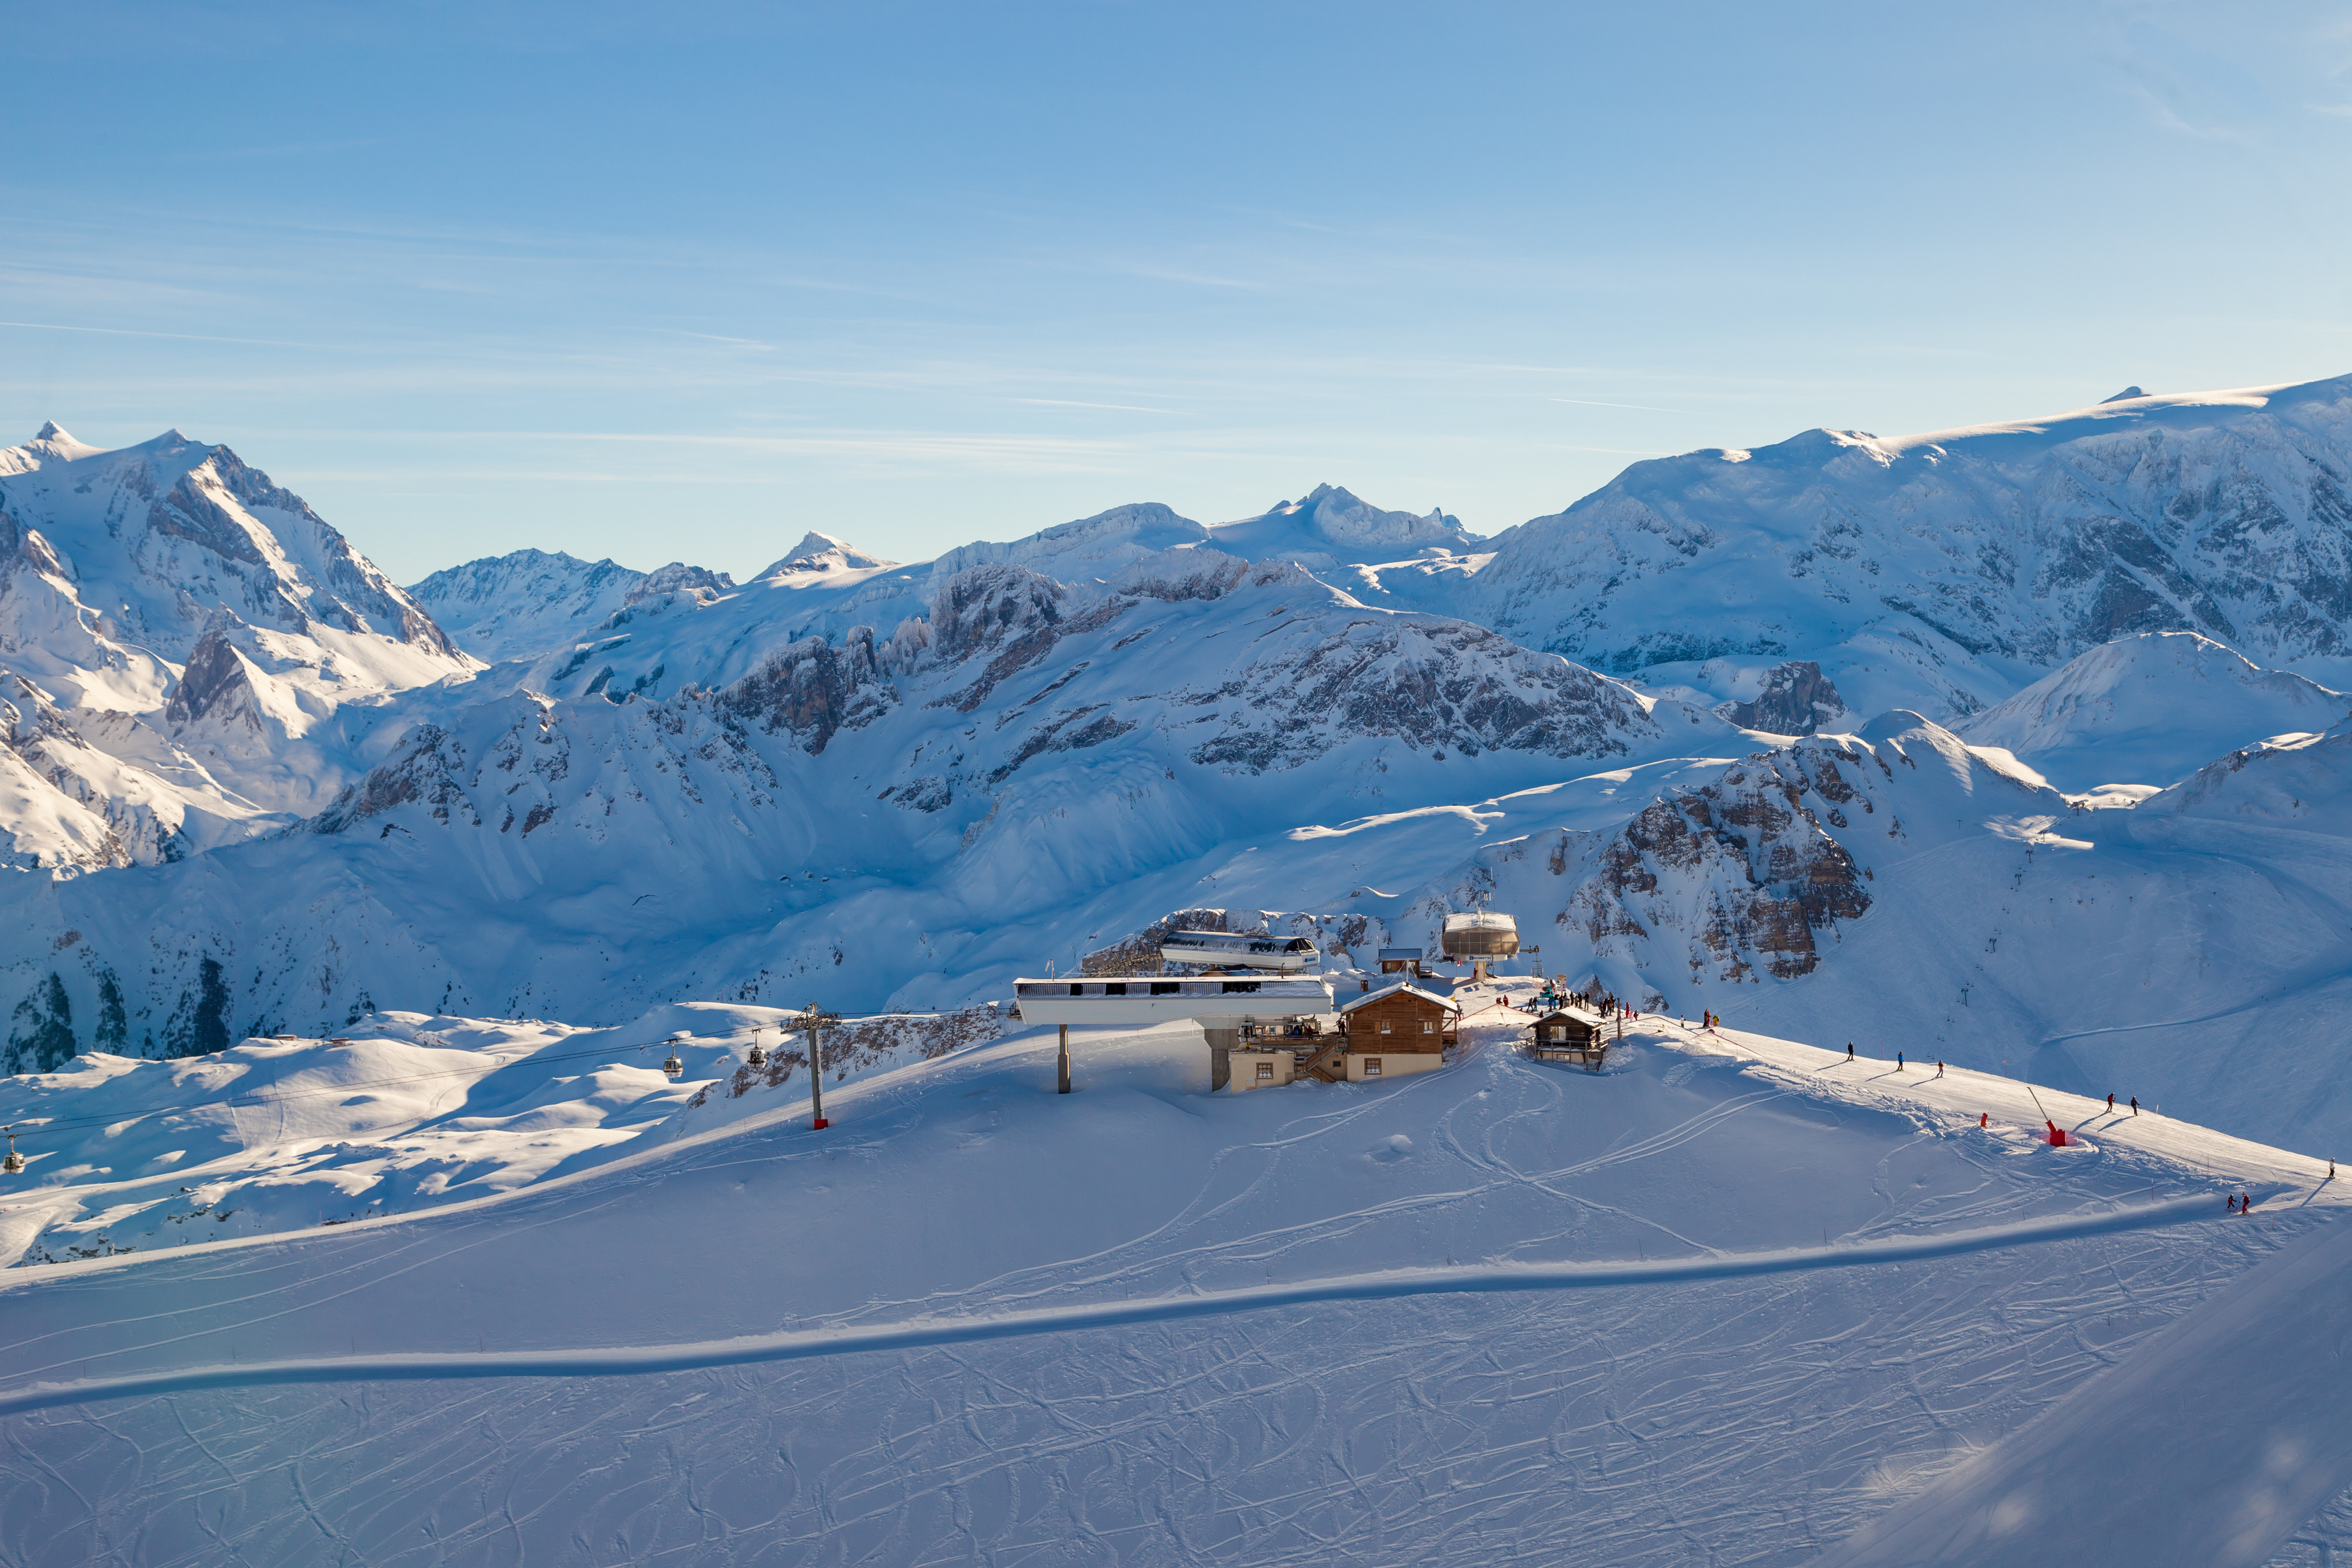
(1701, 731)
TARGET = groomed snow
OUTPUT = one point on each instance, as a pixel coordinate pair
(1733, 1297)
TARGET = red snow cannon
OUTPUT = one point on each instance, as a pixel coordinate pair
(2057, 1135)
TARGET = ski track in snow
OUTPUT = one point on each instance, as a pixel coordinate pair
(1144, 1401)
(804, 1346)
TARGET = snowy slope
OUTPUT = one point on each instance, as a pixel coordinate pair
(1945, 570)
(1902, 890)
(404, 1113)
(2150, 709)
(1007, 780)
(1733, 1298)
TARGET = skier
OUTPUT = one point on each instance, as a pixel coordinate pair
(1898, 1061)
(1984, 1118)
(1849, 1050)
(2331, 1170)
(2135, 1105)
(1939, 1067)
(2233, 1203)
(2111, 1105)
(2245, 1204)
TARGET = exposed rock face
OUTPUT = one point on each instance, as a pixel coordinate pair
(215, 685)
(860, 1046)
(1438, 686)
(1740, 876)
(1796, 700)
(677, 578)
(814, 690)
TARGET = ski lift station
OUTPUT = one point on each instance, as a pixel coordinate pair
(1480, 937)
(1241, 950)
(1228, 1009)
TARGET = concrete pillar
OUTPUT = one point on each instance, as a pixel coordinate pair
(1223, 1043)
(1065, 1063)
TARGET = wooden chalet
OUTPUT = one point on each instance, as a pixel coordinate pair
(1399, 960)
(1566, 1037)
(1397, 1030)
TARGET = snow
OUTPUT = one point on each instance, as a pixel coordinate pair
(2150, 709)
(1735, 1295)
(477, 1285)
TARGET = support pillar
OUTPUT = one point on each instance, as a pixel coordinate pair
(1223, 1043)
(1065, 1061)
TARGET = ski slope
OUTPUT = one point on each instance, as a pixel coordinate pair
(1730, 1300)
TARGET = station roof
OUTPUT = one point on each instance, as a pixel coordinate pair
(1403, 988)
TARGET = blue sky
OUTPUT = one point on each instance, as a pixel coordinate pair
(603, 278)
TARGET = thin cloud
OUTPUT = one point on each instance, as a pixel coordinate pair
(141, 332)
(1589, 402)
(1071, 402)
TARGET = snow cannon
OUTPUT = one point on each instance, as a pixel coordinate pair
(2057, 1135)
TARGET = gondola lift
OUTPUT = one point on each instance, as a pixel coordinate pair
(758, 1060)
(15, 1164)
(674, 1067)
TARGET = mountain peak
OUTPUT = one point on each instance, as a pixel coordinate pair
(823, 552)
(2124, 396)
(54, 440)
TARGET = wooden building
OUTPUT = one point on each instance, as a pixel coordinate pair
(1399, 960)
(1397, 1030)
(1565, 1037)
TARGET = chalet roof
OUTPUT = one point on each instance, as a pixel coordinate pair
(1401, 988)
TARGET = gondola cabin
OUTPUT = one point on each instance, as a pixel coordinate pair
(1565, 1037)
(1241, 950)
(1397, 1030)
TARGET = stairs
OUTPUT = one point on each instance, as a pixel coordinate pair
(1325, 1063)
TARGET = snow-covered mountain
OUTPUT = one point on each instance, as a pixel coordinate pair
(171, 610)
(992, 784)
(436, 1270)
(1944, 570)
(902, 784)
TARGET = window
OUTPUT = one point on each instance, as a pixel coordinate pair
(1166, 987)
(1078, 990)
(1371, 1067)
(1240, 987)
(1265, 1072)
(1384, 1026)
(1427, 1027)
(1115, 990)
(1559, 1031)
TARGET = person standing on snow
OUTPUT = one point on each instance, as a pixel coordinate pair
(2135, 1105)
(1939, 1067)
(1849, 1050)
(2233, 1203)
(2111, 1105)
(1898, 1061)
